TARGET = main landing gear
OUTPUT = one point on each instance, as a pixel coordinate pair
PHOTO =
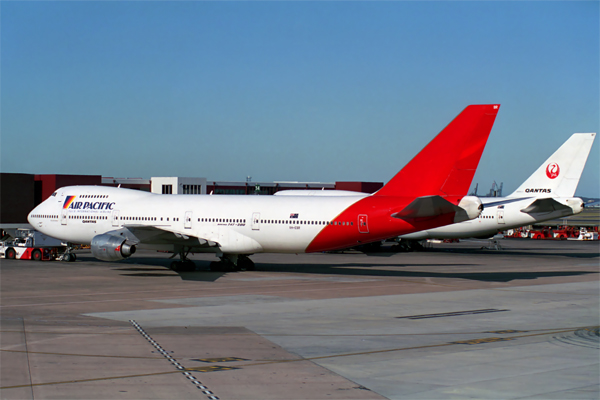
(185, 264)
(233, 262)
(409, 245)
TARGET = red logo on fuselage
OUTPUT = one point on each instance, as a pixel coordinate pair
(552, 170)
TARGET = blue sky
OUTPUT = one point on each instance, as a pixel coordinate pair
(304, 91)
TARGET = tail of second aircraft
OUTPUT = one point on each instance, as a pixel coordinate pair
(559, 175)
(445, 167)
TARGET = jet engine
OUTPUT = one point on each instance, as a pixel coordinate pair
(111, 248)
(471, 209)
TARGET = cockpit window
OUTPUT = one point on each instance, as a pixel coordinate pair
(53, 194)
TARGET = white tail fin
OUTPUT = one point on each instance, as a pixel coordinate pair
(559, 175)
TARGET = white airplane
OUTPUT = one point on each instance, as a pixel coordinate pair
(429, 191)
(545, 195)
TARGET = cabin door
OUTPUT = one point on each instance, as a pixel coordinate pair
(363, 226)
(500, 217)
(187, 221)
(256, 221)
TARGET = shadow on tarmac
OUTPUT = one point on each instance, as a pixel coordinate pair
(352, 269)
(159, 267)
(376, 271)
(198, 275)
(524, 252)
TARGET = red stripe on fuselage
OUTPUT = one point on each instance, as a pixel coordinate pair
(381, 225)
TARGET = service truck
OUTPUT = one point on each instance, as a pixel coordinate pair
(32, 245)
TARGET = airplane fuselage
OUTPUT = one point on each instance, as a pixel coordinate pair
(497, 218)
(430, 191)
(239, 224)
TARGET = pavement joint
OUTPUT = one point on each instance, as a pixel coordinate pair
(179, 367)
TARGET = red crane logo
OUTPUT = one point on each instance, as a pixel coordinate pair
(552, 170)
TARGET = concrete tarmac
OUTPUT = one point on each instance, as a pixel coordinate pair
(457, 321)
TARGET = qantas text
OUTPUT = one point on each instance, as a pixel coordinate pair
(538, 190)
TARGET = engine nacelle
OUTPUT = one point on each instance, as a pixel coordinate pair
(111, 248)
(472, 207)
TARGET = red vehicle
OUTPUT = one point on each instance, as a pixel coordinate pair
(32, 245)
(544, 233)
(566, 232)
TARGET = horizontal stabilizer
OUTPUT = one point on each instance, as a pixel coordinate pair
(544, 206)
(427, 206)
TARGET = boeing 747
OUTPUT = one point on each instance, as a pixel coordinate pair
(430, 191)
(547, 194)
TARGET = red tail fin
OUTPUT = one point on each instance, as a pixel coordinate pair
(446, 166)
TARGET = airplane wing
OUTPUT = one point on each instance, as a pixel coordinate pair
(544, 206)
(142, 234)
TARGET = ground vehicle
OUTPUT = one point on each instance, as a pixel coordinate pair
(585, 234)
(32, 245)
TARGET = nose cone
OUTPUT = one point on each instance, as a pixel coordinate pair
(31, 216)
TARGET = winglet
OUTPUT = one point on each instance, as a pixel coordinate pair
(445, 167)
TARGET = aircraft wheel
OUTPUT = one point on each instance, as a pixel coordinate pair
(68, 257)
(11, 254)
(245, 263)
(175, 266)
(188, 266)
(221, 266)
(36, 255)
(215, 266)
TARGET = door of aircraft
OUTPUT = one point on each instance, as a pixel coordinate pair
(187, 222)
(363, 227)
(500, 217)
(255, 221)
(63, 217)
(115, 218)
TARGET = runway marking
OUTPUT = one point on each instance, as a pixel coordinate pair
(221, 359)
(484, 340)
(212, 368)
(180, 367)
(452, 314)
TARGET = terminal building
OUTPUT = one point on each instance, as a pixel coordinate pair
(21, 193)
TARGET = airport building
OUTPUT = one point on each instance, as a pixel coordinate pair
(21, 193)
